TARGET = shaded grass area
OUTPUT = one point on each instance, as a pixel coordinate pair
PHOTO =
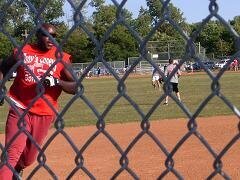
(105, 99)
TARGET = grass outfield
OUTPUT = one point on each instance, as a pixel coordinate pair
(100, 92)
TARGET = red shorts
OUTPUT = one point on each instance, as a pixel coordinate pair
(20, 132)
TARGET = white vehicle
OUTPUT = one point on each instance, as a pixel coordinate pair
(221, 63)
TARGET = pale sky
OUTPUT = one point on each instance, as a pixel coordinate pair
(193, 10)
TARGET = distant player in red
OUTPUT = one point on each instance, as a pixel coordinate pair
(235, 61)
(25, 93)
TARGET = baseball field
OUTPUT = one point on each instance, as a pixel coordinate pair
(216, 124)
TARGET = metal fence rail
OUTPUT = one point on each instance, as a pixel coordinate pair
(190, 52)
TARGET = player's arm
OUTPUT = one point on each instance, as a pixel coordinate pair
(6, 65)
(179, 72)
(166, 72)
(69, 85)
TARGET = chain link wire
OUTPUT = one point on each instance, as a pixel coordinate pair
(121, 89)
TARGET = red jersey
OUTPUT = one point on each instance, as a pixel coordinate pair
(25, 91)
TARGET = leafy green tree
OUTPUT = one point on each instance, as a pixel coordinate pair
(236, 23)
(143, 22)
(77, 44)
(51, 12)
(216, 39)
(166, 30)
(19, 16)
(210, 36)
(5, 46)
(120, 44)
(97, 3)
(12, 14)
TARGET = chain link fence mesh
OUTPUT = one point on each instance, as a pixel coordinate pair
(190, 52)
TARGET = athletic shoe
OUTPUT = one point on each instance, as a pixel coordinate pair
(165, 103)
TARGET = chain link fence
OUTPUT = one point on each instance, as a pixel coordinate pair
(190, 53)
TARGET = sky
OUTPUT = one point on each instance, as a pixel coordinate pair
(193, 10)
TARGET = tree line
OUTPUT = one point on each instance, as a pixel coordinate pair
(18, 16)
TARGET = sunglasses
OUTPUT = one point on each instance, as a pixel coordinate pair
(44, 34)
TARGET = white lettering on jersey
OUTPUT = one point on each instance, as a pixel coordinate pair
(38, 66)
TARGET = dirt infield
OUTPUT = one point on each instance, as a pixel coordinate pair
(192, 160)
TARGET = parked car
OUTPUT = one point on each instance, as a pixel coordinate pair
(209, 64)
(196, 66)
(221, 63)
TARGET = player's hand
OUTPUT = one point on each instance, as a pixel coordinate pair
(50, 81)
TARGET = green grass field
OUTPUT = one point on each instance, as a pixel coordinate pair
(101, 91)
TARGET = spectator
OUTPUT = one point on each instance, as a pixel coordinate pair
(98, 71)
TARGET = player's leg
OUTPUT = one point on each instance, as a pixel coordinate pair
(171, 88)
(158, 84)
(40, 127)
(178, 96)
(166, 101)
(175, 89)
(153, 82)
(15, 142)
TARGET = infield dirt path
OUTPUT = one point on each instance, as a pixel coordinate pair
(192, 160)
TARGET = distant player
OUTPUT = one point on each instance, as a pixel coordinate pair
(174, 80)
(235, 61)
(156, 78)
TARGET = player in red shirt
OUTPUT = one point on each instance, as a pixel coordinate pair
(39, 82)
